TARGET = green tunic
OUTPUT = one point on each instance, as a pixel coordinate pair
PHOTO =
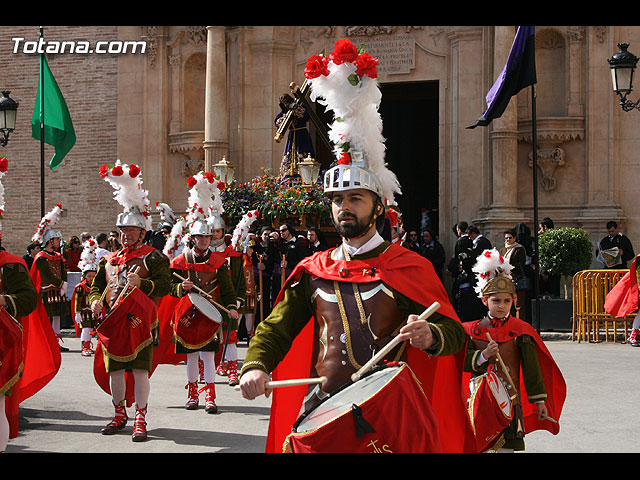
(274, 335)
(20, 294)
(155, 286)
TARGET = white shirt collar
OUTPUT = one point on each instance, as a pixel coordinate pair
(371, 244)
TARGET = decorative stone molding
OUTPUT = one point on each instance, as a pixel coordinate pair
(548, 160)
(550, 134)
(189, 144)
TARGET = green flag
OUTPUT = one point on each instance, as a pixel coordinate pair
(58, 128)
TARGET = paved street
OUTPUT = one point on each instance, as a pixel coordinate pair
(67, 415)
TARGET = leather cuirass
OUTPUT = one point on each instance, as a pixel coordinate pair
(350, 327)
(116, 276)
(511, 357)
(55, 266)
(206, 281)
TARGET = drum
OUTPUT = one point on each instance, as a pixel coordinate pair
(205, 307)
(384, 411)
(127, 328)
(196, 321)
(490, 408)
(11, 351)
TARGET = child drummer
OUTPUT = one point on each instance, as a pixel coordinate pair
(513, 349)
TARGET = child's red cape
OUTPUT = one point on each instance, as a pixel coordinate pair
(441, 377)
(553, 380)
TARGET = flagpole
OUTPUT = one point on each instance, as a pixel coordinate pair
(536, 264)
(41, 132)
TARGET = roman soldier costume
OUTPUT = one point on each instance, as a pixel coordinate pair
(195, 315)
(85, 320)
(128, 332)
(342, 305)
(49, 272)
(525, 368)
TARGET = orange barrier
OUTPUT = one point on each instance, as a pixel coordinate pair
(590, 320)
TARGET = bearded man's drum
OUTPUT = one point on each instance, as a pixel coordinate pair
(384, 411)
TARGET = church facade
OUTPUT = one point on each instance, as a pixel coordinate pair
(198, 94)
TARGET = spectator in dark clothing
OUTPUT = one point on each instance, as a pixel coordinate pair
(433, 251)
(480, 242)
(290, 251)
(32, 251)
(616, 239)
(317, 242)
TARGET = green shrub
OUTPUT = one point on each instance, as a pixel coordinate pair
(565, 251)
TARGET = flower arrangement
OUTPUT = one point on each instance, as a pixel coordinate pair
(274, 199)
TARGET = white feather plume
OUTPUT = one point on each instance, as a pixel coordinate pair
(357, 120)
(241, 231)
(47, 222)
(489, 264)
(166, 213)
(126, 181)
(88, 256)
(174, 244)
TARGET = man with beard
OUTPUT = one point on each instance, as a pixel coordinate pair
(340, 306)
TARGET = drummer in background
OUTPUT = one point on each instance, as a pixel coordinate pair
(360, 294)
(140, 266)
(203, 270)
(541, 389)
(229, 364)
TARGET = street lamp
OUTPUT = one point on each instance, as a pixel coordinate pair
(309, 170)
(8, 110)
(224, 171)
(623, 64)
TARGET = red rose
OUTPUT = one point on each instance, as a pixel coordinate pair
(4, 163)
(59, 205)
(316, 66)
(104, 170)
(221, 185)
(345, 159)
(209, 176)
(116, 171)
(191, 182)
(344, 51)
(134, 170)
(366, 65)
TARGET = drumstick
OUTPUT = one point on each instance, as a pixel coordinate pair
(390, 346)
(135, 270)
(504, 368)
(204, 293)
(291, 383)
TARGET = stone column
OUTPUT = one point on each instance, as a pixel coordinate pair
(216, 123)
(504, 134)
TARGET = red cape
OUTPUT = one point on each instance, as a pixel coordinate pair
(87, 288)
(552, 376)
(441, 377)
(622, 300)
(41, 352)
